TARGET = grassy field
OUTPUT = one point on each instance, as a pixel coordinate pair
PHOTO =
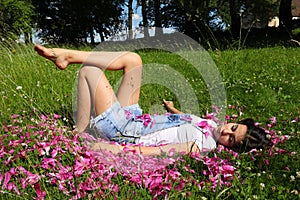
(260, 83)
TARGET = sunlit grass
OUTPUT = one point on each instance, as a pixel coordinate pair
(265, 81)
(30, 82)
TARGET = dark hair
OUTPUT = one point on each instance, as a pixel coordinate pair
(256, 138)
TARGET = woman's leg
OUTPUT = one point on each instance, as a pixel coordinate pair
(95, 94)
(131, 64)
(93, 87)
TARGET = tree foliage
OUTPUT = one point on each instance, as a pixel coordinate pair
(192, 17)
(73, 21)
(16, 17)
(260, 11)
(152, 13)
(199, 18)
(254, 13)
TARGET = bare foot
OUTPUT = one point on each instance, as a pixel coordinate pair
(58, 56)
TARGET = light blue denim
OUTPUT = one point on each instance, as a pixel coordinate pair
(126, 124)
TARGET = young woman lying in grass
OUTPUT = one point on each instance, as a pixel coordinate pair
(119, 118)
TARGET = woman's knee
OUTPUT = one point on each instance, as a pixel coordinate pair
(133, 60)
(86, 70)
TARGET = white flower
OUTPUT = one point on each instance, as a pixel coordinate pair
(270, 176)
(262, 185)
(295, 192)
(19, 87)
(292, 178)
(298, 174)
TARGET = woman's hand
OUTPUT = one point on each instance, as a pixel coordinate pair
(169, 105)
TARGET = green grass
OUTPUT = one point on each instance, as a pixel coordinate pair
(30, 82)
(264, 81)
(261, 83)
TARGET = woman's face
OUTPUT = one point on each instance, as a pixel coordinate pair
(230, 134)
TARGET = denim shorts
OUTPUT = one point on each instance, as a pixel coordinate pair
(126, 124)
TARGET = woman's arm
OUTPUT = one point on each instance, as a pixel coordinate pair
(170, 107)
(145, 150)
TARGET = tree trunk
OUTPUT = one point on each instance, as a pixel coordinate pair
(145, 19)
(130, 13)
(235, 18)
(157, 23)
(92, 36)
(101, 34)
(285, 15)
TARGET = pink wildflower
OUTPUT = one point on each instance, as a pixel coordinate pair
(205, 127)
(287, 168)
(216, 108)
(267, 162)
(234, 116)
(295, 120)
(146, 118)
(56, 116)
(202, 124)
(40, 194)
(231, 106)
(7, 177)
(128, 114)
(32, 178)
(273, 122)
(43, 117)
(48, 163)
(79, 167)
(14, 116)
(12, 186)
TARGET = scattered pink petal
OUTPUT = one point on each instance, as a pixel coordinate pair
(96, 170)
